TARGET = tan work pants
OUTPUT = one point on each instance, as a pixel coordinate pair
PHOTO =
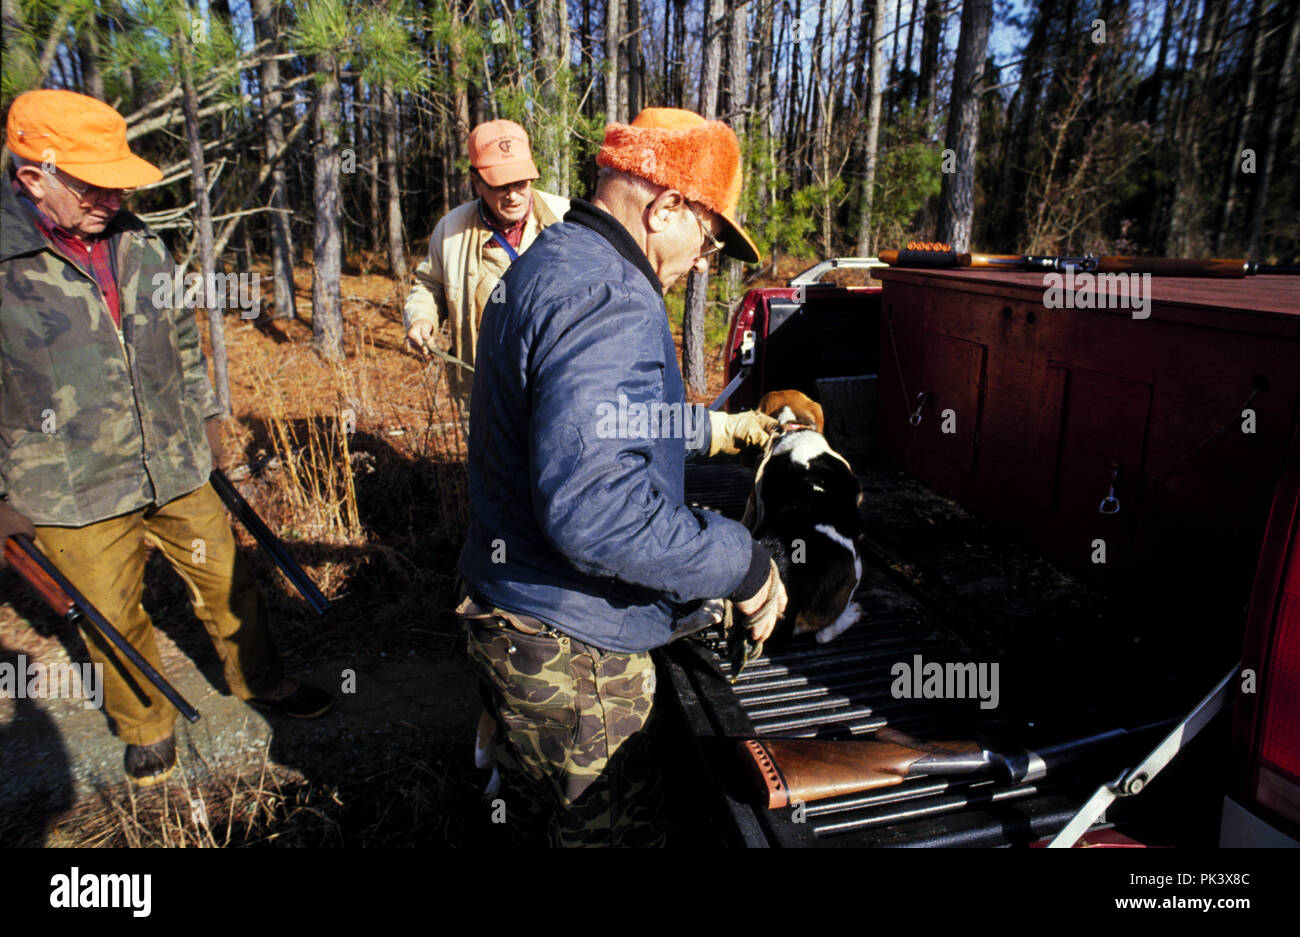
(106, 561)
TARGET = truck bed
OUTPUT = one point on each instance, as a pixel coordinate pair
(985, 429)
(941, 583)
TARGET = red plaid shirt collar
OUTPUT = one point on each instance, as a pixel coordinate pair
(95, 259)
(513, 234)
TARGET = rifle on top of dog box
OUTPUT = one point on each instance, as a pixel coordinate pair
(36, 569)
(941, 256)
(269, 542)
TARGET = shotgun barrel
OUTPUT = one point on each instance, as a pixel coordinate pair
(42, 575)
(1220, 268)
(269, 542)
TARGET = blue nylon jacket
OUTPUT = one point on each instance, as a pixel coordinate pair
(577, 513)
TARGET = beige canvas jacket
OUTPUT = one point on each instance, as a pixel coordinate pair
(455, 279)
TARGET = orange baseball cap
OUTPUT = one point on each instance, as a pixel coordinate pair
(499, 151)
(683, 151)
(84, 137)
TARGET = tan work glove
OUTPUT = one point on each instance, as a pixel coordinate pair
(215, 443)
(11, 522)
(731, 432)
(761, 613)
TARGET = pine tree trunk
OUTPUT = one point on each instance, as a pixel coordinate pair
(88, 50)
(327, 253)
(203, 210)
(457, 69)
(738, 85)
(396, 236)
(679, 41)
(957, 194)
(931, 33)
(865, 219)
(374, 137)
(1187, 232)
(819, 91)
(273, 130)
(1022, 126)
(711, 67)
(761, 112)
(613, 29)
(1285, 85)
(909, 88)
(860, 53)
(697, 284)
(635, 61)
(1256, 44)
(552, 23)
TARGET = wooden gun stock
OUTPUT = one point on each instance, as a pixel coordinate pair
(787, 770)
(41, 581)
(42, 575)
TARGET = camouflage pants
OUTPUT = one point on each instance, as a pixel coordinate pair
(575, 737)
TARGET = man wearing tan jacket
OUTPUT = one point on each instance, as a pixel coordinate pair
(474, 244)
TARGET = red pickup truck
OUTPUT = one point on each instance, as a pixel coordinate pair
(1105, 506)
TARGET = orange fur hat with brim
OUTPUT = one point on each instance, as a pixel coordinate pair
(683, 151)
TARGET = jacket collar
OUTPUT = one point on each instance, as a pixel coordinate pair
(608, 227)
(19, 233)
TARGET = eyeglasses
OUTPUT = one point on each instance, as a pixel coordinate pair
(717, 245)
(86, 192)
(518, 186)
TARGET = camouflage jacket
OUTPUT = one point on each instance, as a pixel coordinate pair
(95, 421)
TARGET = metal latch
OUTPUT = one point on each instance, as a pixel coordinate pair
(1135, 781)
(747, 345)
(1110, 503)
(921, 398)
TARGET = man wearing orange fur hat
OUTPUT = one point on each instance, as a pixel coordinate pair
(581, 553)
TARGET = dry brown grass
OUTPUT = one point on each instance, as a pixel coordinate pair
(408, 801)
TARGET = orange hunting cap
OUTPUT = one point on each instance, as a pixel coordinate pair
(82, 136)
(499, 151)
(683, 151)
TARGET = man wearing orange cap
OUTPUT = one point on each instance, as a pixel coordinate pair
(474, 244)
(106, 432)
(581, 554)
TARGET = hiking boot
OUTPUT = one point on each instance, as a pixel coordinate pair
(305, 702)
(147, 765)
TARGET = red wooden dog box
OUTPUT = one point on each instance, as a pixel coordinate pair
(1028, 411)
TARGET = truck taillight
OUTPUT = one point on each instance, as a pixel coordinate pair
(1265, 757)
(1278, 784)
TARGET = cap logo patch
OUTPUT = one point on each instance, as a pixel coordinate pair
(504, 144)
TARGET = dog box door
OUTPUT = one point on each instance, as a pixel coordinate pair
(1103, 424)
(948, 435)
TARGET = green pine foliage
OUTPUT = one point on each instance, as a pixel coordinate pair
(375, 40)
(908, 176)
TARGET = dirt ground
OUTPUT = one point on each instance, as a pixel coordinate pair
(392, 763)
